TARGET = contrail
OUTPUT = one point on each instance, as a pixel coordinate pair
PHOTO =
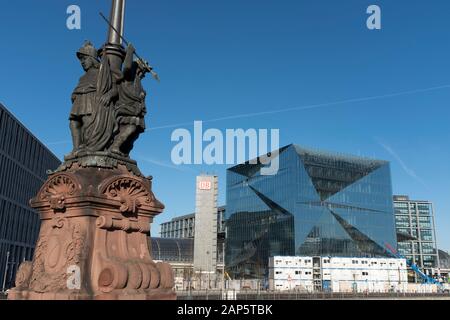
(306, 107)
(402, 164)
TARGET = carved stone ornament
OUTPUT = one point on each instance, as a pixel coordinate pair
(130, 192)
(23, 274)
(60, 248)
(57, 190)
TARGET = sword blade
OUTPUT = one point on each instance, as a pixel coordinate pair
(154, 74)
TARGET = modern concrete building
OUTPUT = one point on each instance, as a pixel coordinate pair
(24, 161)
(338, 274)
(205, 234)
(183, 227)
(193, 243)
(414, 221)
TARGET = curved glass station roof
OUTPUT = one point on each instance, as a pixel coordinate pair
(173, 250)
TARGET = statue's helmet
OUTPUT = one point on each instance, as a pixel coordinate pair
(87, 49)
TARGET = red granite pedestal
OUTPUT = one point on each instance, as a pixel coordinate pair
(93, 242)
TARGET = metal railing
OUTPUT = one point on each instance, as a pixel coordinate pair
(299, 295)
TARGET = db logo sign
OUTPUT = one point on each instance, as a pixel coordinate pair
(204, 185)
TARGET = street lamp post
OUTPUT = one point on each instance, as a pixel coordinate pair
(223, 265)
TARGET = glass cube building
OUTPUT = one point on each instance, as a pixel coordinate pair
(317, 204)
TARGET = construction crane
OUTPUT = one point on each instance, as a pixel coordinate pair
(427, 279)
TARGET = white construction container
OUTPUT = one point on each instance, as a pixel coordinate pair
(338, 274)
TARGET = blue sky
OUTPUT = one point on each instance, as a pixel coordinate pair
(383, 94)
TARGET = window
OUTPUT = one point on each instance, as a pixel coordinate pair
(426, 235)
(423, 207)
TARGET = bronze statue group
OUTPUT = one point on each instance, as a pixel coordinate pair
(108, 104)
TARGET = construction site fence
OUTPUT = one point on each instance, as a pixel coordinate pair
(285, 295)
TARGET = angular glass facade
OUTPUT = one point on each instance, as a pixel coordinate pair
(318, 204)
